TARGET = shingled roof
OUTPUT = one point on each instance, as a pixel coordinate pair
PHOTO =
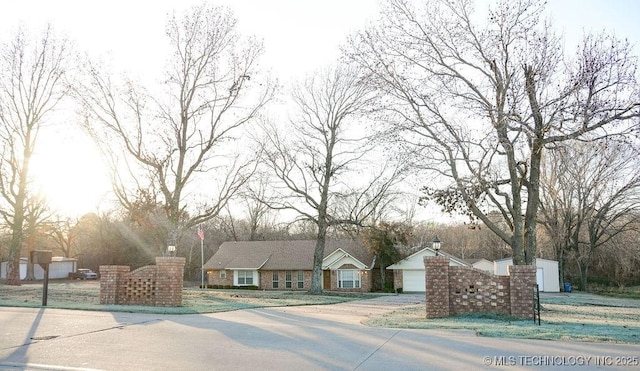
(281, 255)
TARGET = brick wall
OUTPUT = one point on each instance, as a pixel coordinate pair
(214, 278)
(366, 280)
(266, 280)
(523, 278)
(110, 280)
(159, 285)
(472, 290)
(459, 290)
(437, 288)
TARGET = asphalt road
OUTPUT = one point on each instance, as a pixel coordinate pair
(293, 338)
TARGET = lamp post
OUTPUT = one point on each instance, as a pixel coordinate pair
(436, 245)
(171, 249)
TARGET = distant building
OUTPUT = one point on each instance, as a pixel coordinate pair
(59, 268)
(409, 273)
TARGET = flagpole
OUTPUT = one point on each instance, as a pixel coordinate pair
(202, 263)
(201, 235)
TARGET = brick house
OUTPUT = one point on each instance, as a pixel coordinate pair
(287, 265)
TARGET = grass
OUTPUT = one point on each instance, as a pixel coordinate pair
(576, 316)
(85, 295)
(630, 293)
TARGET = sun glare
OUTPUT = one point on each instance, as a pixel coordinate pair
(70, 174)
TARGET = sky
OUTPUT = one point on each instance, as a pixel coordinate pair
(300, 36)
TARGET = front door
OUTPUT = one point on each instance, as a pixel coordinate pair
(326, 280)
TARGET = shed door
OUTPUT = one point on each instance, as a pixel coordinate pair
(413, 281)
(540, 278)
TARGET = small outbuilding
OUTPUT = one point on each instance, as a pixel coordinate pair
(60, 267)
(547, 273)
(409, 273)
(482, 264)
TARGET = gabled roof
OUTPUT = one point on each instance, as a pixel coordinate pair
(511, 260)
(340, 258)
(283, 255)
(415, 261)
(476, 260)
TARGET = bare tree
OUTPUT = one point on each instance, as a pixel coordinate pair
(618, 261)
(611, 201)
(181, 141)
(591, 194)
(319, 160)
(477, 103)
(32, 84)
(558, 211)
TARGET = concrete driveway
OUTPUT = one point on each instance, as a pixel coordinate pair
(291, 338)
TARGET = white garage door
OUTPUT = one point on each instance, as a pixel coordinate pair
(413, 281)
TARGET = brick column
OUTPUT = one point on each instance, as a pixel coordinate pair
(437, 286)
(169, 281)
(522, 279)
(110, 280)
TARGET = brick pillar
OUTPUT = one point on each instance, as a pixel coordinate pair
(110, 280)
(437, 286)
(169, 281)
(522, 279)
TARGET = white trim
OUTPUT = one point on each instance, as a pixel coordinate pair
(431, 252)
(356, 279)
(343, 259)
(254, 277)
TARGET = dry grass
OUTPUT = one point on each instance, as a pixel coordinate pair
(85, 295)
(576, 316)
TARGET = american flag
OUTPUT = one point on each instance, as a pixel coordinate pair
(201, 232)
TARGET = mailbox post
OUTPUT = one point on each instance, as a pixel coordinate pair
(43, 258)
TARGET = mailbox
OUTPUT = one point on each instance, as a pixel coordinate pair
(41, 257)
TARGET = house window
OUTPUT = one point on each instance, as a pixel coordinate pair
(274, 279)
(348, 279)
(287, 279)
(223, 274)
(300, 279)
(245, 278)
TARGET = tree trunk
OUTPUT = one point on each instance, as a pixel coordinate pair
(584, 274)
(15, 246)
(318, 256)
(31, 272)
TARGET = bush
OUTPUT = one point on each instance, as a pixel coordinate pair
(388, 287)
(229, 287)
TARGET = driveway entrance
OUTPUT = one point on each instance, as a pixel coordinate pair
(328, 337)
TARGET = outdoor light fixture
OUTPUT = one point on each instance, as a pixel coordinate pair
(172, 250)
(436, 245)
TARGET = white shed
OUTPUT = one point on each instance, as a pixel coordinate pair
(59, 268)
(547, 274)
(412, 267)
(482, 264)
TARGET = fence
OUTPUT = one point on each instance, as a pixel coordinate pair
(459, 290)
(157, 285)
